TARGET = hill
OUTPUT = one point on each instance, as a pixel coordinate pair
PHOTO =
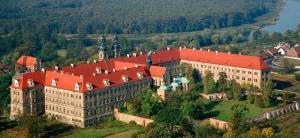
(128, 16)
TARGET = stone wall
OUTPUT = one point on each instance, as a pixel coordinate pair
(127, 118)
(214, 96)
(219, 123)
(276, 113)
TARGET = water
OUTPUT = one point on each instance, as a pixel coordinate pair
(288, 19)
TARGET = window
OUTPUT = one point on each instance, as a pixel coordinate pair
(255, 80)
(243, 78)
(106, 82)
(249, 72)
(30, 83)
(125, 78)
(16, 82)
(54, 82)
(255, 73)
(89, 86)
(238, 71)
(140, 75)
(244, 72)
(249, 79)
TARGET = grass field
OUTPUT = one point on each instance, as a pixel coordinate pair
(102, 132)
(222, 110)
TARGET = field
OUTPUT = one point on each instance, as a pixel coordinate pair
(221, 109)
(105, 132)
(113, 128)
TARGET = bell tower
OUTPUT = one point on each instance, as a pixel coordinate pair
(102, 51)
(116, 46)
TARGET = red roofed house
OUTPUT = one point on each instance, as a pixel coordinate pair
(294, 52)
(27, 64)
(85, 93)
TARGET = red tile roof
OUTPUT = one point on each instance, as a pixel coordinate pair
(83, 74)
(27, 61)
(157, 71)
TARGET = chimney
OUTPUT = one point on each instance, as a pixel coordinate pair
(228, 52)
(56, 67)
(125, 68)
(81, 76)
(240, 53)
(72, 65)
(106, 72)
(43, 70)
(184, 47)
(134, 54)
(88, 62)
(114, 70)
(217, 52)
(128, 55)
(95, 61)
(94, 74)
(180, 48)
(168, 48)
(201, 49)
(141, 53)
(72, 74)
(194, 49)
(208, 50)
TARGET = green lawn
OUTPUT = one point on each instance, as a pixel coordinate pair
(221, 110)
(99, 132)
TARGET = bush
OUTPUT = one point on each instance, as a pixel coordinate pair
(297, 76)
(132, 123)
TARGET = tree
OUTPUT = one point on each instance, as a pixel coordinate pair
(34, 126)
(193, 110)
(238, 123)
(222, 82)
(236, 90)
(169, 120)
(187, 71)
(288, 66)
(267, 132)
(267, 92)
(297, 76)
(254, 132)
(209, 83)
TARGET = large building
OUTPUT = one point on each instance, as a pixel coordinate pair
(85, 93)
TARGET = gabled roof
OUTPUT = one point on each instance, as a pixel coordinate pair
(234, 60)
(157, 71)
(27, 61)
(114, 69)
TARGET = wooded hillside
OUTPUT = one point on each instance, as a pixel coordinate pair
(128, 16)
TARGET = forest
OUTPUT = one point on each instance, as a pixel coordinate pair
(128, 16)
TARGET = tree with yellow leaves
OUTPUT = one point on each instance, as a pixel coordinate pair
(268, 132)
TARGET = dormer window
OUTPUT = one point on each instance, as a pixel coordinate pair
(98, 70)
(77, 87)
(30, 83)
(89, 86)
(140, 75)
(106, 82)
(54, 82)
(125, 78)
(16, 82)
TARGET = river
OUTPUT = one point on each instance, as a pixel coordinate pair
(288, 19)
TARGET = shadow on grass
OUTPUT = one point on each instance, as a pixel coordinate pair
(7, 124)
(57, 129)
(211, 105)
(280, 85)
(211, 114)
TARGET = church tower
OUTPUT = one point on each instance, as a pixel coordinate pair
(102, 48)
(116, 46)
